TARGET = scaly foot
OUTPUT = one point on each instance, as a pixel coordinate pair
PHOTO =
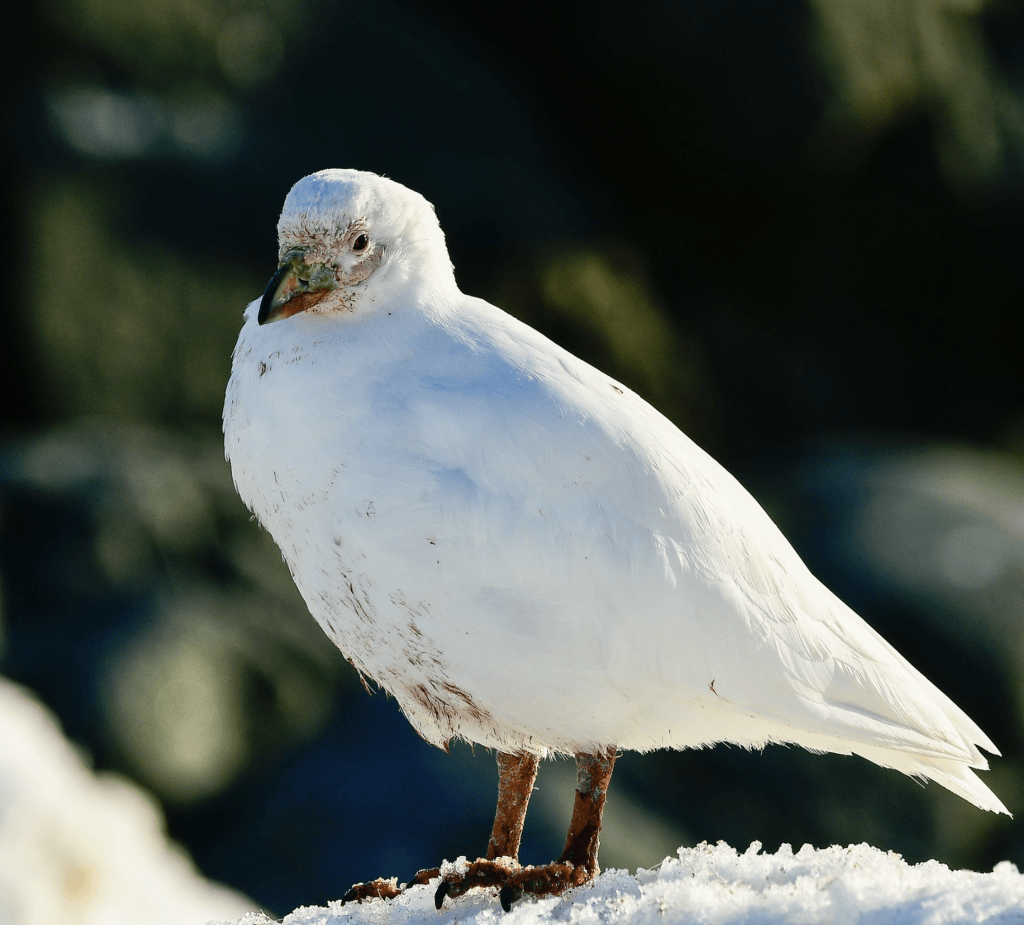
(511, 880)
(460, 877)
(386, 889)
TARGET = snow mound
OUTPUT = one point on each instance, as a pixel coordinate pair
(716, 885)
(82, 849)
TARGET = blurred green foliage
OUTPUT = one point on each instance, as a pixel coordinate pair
(889, 61)
(126, 330)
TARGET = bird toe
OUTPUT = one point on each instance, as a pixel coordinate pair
(372, 889)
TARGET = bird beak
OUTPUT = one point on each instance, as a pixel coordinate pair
(295, 287)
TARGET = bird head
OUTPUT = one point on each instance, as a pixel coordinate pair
(349, 239)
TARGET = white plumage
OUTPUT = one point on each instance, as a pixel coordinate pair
(520, 549)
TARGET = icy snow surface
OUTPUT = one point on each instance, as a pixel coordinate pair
(82, 849)
(714, 884)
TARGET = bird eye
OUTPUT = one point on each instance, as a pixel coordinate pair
(360, 243)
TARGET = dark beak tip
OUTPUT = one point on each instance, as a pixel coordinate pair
(265, 314)
(270, 304)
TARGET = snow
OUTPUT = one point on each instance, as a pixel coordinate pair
(76, 847)
(716, 885)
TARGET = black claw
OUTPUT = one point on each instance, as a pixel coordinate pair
(508, 895)
(350, 896)
(442, 891)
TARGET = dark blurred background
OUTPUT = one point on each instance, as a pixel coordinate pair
(796, 227)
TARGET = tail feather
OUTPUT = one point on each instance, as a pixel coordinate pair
(956, 776)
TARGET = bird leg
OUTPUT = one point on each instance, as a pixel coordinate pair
(576, 866)
(578, 862)
(516, 776)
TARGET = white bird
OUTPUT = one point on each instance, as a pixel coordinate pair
(522, 551)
